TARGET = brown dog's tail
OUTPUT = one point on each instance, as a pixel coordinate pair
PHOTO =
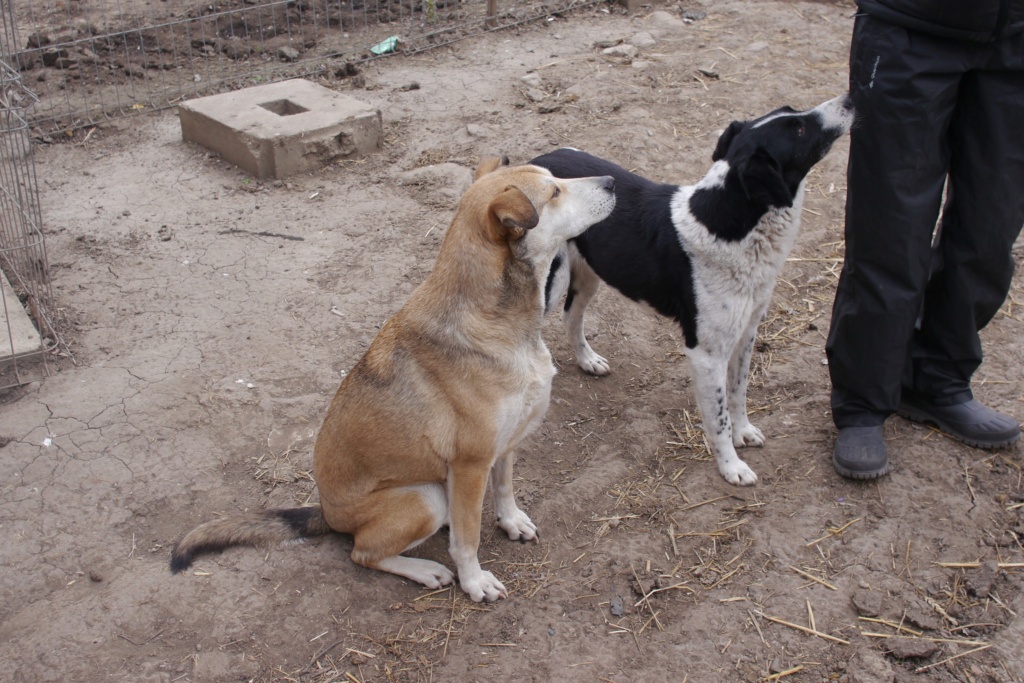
(265, 528)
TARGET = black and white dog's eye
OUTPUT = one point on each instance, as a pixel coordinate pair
(800, 130)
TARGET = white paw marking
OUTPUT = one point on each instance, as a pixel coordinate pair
(592, 363)
(747, 435)
(483, 586)
(518, 526)
(437, 576)
(737, 472)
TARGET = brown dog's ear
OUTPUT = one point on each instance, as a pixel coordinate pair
(488, 164)
(514, 211)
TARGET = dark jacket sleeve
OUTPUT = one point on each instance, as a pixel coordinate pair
(975, 20)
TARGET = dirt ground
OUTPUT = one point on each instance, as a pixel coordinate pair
(212, 316)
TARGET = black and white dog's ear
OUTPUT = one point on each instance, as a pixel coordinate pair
(725, 139)
(761, 178)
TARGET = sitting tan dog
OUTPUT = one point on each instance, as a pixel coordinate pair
(452, 383)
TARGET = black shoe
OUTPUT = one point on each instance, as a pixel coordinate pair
(972, 422)
(860, 453)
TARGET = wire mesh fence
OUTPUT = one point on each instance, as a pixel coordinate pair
(92, 60)
(26, 332)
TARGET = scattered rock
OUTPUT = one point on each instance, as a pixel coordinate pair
(643, 39)
(87, 56)
(38, 39)
(535, 95)
(532, 79)
(623, 50)
(757, 47)
(981, 580)
(52, 54)
(869, 666)
(665, 20)
(924, 617)
(408, 86)
(640, 64)
(911, 648)
(867, 603)
(237, 50)
(477, 131)
(617, 608)
(602, 44)
(288, 53)
(135, 71)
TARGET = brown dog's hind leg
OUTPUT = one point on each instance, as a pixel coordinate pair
(401, 519)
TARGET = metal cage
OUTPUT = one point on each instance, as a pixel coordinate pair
(90, 61)
(27, 335)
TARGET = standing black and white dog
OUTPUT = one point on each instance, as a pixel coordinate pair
(706, 255)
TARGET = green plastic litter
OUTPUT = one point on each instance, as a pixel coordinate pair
(385, 46)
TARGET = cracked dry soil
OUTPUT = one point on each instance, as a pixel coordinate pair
(212, 318)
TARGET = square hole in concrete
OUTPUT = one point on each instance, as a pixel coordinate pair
(283, 107)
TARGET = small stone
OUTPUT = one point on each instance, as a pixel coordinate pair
(911, 648)
(640, 64)
(617, 608)
(665, 20)
(52, 54)
(95, 576)
(535, 95)
(288, 53)
(867, 603)
(38, 39)
(922, 618)
(868, 666)
(757, 47)
(981, 580)
(602, 44)
(623, 50)
(237, 50)
(643, 39)
(532, 79)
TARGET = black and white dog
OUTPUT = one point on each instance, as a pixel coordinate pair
(706, 255)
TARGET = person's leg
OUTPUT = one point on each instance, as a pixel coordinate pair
(982, 218)
(898, 161)
(904, 89)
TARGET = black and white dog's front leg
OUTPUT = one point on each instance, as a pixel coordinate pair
(743, 433)
(710, 373)
(583, 285)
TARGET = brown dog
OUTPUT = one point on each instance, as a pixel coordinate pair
(452, 383)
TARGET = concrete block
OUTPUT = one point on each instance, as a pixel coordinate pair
(280, 129)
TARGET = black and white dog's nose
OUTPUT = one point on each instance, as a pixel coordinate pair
(608, 182)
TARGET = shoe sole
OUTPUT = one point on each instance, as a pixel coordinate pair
(915, 415)
(861, 476)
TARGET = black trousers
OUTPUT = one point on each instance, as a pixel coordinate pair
(932, 114)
